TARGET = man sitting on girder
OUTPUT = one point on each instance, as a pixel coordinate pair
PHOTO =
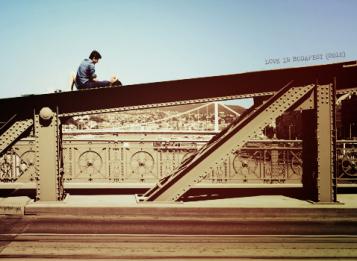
(86, 77)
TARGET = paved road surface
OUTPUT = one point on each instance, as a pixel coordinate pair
(220, 230)
(70, 237)
(178, 247)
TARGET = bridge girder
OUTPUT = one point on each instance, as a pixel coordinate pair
(338, 77)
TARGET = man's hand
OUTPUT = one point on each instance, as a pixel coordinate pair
(113, 79)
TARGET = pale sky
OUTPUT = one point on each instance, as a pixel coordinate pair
(43, 41)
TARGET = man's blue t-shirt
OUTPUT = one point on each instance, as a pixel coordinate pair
(86, 72)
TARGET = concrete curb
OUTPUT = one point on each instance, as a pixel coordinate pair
(14, 205)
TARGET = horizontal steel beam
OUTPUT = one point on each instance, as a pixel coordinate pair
(179, 91)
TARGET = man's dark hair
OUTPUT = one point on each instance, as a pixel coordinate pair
(95, 54)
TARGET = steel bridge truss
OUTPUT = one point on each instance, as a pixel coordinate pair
(311, 89)
(319, 98)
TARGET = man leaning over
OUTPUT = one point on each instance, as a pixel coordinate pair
(86, 77)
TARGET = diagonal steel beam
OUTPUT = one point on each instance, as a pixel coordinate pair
(13, 133)
(223, 144)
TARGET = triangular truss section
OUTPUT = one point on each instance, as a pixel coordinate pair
(13, 133)
(231, 139)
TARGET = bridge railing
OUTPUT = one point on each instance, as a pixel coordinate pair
(146, 160)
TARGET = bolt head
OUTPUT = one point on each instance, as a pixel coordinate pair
(46, 113)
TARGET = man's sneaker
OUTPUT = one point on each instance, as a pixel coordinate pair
(116, 83)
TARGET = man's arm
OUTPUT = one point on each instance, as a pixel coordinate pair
(91, 72)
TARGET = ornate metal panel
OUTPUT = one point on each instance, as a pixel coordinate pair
(268, 162)
(85, 161)
(18, 164)
(347, 161)
(250, 165)
(135, 161)
(120, 161)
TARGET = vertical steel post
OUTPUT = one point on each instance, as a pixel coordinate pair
(309, 155)
(326, 143)
(48, 156)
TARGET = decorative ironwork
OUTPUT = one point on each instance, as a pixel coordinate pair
(114, 161)
(347, 161)
(142, 164)
(6, 168)
(27, 163)
(13, 166)
(90, 164)
(146, 161)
